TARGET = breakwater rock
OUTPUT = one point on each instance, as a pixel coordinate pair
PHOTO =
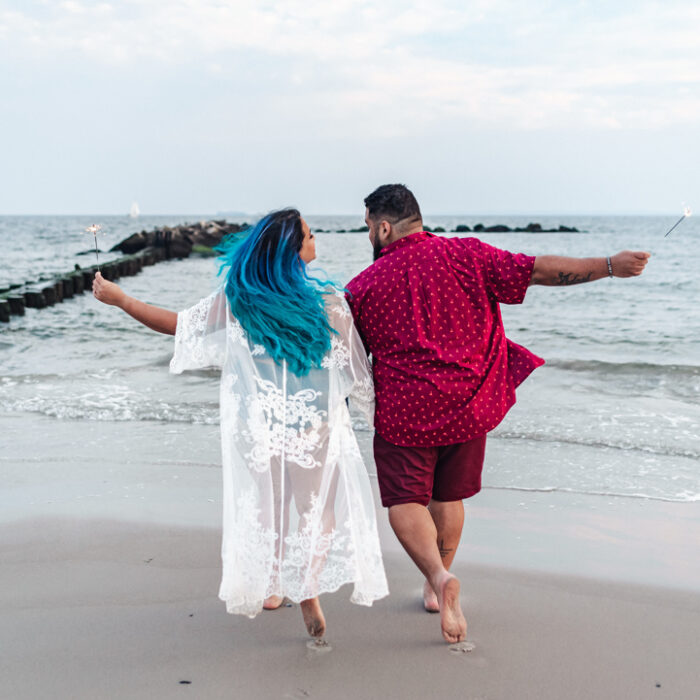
(464, 228)
(502, 228)
(141, 249)
(47, 291)
(179, 241)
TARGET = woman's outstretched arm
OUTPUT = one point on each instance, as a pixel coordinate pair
(155, 318)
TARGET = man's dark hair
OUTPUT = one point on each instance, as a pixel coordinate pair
(394, 203)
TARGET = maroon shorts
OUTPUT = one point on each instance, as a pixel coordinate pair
(418, 474)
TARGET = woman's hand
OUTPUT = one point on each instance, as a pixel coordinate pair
(107, 292)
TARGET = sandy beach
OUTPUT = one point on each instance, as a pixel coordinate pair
(110, 569)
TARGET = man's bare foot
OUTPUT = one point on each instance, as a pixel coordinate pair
(454, 626)
(273, 602)
(313, 617)
(430, 601)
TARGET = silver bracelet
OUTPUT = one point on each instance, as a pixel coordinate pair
(610, 272)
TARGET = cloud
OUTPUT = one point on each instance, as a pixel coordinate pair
(497, 62)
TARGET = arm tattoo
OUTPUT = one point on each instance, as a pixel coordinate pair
(567, 278)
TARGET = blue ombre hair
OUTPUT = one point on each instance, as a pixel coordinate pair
(270, 292)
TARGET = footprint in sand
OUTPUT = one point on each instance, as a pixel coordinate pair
(318, 646)
(461, 648)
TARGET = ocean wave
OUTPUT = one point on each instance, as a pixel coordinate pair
(684, 497)
(645, 379)
(634, 368)
(630, 444)
(122, 408)
(134, 408)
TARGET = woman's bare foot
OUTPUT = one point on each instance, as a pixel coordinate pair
(273, 602)
(454, 626)
(313, 617)
(430, 601)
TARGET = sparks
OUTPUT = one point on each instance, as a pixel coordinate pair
(94, 230)
(686, 214)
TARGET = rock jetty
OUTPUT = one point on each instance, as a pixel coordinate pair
(502, 228)
(463, 228)
(140, 249)
(180, 241)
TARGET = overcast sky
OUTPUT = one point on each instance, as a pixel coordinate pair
(482, 106)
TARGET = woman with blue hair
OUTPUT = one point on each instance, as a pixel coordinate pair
(299, 517)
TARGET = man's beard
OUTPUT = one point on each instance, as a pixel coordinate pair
(377, 249)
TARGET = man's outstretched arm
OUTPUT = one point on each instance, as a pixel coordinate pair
(557, 271)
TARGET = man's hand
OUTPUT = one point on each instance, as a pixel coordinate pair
(629, 263)
(107, 292)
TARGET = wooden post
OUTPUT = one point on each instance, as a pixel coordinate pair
(16, 304)
(49, 294)
(78, 283)
(67, 283)
(34, 299)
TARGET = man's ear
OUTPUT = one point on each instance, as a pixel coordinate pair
(384, 231)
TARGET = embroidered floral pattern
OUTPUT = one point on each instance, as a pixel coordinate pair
(339, 355)
(235, 331)
(314, 555)
(278, 425)
(241, 586)
(340, 307)
(193, 344)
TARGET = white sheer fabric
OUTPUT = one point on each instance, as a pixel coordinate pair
(299, 517)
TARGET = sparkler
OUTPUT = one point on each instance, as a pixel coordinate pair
(94, 230)
(686, 214)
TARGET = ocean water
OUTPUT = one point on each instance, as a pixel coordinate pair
(616, 409)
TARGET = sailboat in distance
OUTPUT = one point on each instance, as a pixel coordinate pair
(134, 211)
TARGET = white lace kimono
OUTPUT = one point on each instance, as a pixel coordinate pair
(299, 516)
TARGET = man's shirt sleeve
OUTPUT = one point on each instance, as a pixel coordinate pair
(508, 274)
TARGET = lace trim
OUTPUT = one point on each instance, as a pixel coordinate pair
(248, 555)
(193, 346)
(362, 398)
(317, 559)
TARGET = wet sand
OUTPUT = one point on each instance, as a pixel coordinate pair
(109, 569)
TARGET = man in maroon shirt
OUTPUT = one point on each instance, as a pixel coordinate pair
(444, 372)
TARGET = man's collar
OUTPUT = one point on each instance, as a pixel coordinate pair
(410, 239)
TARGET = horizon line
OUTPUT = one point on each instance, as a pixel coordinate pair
(223, 214)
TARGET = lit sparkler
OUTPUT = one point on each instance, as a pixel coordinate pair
(686, 214)
(94, 230)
